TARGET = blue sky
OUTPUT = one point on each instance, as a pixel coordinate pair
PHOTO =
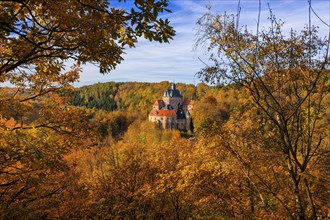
(177, 61)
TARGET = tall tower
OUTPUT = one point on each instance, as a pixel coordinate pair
(173, 97)
(188, 121)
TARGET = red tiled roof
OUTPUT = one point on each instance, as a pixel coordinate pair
(159, 103)
(189, 102)
(162, 113)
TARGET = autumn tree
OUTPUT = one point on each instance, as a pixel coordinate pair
(37, 37)
(287, 79)
(207, 116)
(32, 151)
(134, 178)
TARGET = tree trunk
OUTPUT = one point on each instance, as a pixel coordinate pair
(295, 187)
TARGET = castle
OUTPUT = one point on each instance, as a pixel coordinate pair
(172, 112)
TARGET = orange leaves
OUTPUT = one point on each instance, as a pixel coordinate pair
(126, 177)
(35, 133)
(10, 124)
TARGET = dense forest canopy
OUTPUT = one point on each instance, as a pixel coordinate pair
(189, 177)
(132, 169)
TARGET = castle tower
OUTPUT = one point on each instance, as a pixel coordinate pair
(173, 86)
(173, 97)
(188, 121)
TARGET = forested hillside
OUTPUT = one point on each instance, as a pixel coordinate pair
(130, 96)
(126, 167)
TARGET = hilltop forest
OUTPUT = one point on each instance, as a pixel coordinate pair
(260, 144)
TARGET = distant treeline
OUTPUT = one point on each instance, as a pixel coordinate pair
(128, 96)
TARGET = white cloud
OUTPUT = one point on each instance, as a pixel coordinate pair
(153, 62)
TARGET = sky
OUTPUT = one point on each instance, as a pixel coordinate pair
(178, 61)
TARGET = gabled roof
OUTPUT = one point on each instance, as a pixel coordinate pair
(162, 113)
(189, 102)
(159, 103)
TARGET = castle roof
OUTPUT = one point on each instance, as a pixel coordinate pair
(159, 103)
(189, 102)
(167, 113)
(168, 107)
(173, 92)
